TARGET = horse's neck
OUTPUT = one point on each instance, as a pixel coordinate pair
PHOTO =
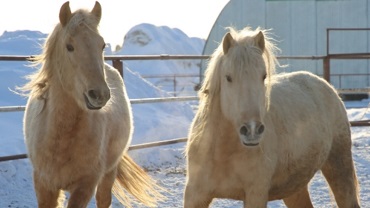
(62, 107)
(222, 138)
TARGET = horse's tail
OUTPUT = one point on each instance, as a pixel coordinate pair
(137, 182)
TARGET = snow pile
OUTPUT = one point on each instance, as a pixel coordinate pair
(147, 39)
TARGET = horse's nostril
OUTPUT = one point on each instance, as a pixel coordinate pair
(260, 129)
(93, 95)
(244, 130)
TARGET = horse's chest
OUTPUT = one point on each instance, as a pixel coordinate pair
(67, 153)
(233, 176)
(77, 144)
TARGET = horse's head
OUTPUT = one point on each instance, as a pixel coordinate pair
(243, 91)
(80, 51)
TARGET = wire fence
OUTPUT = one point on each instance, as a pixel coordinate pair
(117, 63)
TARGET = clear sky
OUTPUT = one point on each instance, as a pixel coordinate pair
(194, 17)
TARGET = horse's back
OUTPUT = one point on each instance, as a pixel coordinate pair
(119, 113)
(307, 103)
(307, 95)
(114, 80)
(34, 123)
(119, 102)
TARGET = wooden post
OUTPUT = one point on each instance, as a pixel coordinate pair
(118, 65)
(326, 65)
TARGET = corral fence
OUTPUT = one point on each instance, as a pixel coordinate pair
(117, 62)
(172, 83)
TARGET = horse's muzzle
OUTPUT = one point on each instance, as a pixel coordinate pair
(251, 132)
(96, 99)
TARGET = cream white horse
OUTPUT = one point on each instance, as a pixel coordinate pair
(259, 137)
(78, 121)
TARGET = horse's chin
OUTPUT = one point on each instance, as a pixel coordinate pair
(90, 107)
(250, 144)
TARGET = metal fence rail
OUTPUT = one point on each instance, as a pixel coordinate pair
(132, 101)
(117, 63)
(132, 147)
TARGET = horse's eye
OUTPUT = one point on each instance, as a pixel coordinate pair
(228, 78)
(264, 76)
(70, 48)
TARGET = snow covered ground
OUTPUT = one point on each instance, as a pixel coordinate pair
(167, 166)
(153, 122)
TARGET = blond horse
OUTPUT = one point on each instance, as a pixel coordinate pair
(78, 121)
(259, 137)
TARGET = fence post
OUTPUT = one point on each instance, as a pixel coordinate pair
(174, 85)
(118, 65)
(326, 65)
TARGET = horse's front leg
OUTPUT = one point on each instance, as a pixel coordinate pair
(46, 197)
(195, 197)
(104, 191)
(256, 197)
(82, 192)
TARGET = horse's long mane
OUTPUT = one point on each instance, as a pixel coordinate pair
(53, 53)
(210, 89)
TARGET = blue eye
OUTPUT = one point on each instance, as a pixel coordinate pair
(228, 78)
(264, 76)
(70, 48)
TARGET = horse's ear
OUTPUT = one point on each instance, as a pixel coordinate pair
(227, 42)
(260, 40)
(65, 14)
(96, 11)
